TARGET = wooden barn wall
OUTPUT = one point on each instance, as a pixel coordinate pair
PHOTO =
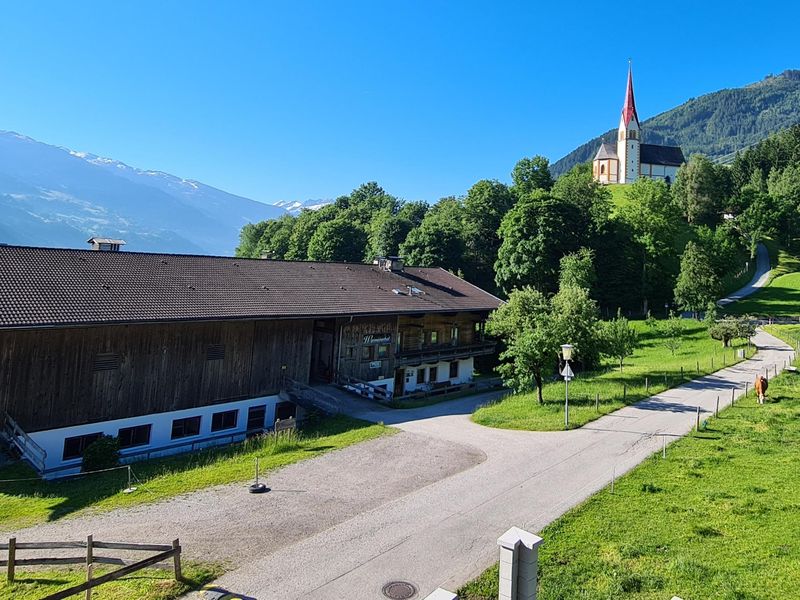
(413, 331)
(352, 342)
(47, 377)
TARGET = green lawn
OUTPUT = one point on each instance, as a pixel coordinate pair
(718, 519)
(651, 361)
(148, 584)
(781, 297)
(28, 503)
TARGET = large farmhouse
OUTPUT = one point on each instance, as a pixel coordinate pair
(629, 159)
(173, 352)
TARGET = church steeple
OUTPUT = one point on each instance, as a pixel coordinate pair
(628, 144)
(629, 108)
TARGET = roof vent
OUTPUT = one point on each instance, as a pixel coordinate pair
(105, 244)
(394, 264)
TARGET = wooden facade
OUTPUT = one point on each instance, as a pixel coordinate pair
(52, 378)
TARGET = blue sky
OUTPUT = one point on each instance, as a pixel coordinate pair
(299, 100)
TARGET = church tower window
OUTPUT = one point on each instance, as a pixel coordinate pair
(602, 169)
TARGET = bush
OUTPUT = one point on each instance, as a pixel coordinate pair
(103, 453)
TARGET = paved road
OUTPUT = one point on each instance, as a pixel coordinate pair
(759, 280)
(445, 533)
(425, 505)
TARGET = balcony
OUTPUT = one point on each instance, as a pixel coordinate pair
(442, 353)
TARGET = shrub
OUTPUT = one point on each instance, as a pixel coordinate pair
(103, 453)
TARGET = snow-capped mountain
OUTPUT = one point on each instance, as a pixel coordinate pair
(51, 196)
(295, 207)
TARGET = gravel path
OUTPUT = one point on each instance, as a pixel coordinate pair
(228, 523)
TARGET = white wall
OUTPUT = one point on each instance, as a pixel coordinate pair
(465, 369)
(52, 440)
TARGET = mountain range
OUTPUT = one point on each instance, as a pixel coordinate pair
(716, 124)
(51, 196)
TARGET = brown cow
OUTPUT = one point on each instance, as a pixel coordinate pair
(761, 388)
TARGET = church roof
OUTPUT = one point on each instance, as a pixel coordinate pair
(606, 151)
(629, 108)
(670, 156)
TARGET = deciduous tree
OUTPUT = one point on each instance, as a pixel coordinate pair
(697, 284)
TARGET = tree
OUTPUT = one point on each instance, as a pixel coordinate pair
(619, 339)
(757, 221)
(485, 205)
(274, 241)
(784, 188)
(531, 174)
(724, 330)
(653, 220)
(534, 235)
(248, 238)
(672, 333)
(387, 232)
(304, 228)
(697, 284)
(575, 321)
(438, 241)
(591, 199)
(525, 323)
(338, 240)
(577, 270)
(698, 192)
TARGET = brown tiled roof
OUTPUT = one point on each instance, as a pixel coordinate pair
(49, 287)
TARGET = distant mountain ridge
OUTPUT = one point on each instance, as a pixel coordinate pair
(52, 196)
(715, 124)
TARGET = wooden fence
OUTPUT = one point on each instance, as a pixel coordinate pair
(165, 552)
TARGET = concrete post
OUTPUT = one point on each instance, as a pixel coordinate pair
(519, 557)
(441, 594)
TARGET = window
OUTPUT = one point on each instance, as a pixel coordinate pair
(367, 352)
(74, 446)
(224, 420)
(602, 169)
(454, 369)
(432, 374)
(454, 335)
(215, 352)
(185, 427)
(134, 436)
(256, 416)
(350, 352)
(433, 337)
(420, 376)
(383, 351)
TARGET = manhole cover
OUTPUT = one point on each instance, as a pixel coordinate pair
(399, 590)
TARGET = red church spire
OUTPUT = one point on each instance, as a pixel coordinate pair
(629, 108)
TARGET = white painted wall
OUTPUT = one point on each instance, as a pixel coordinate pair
(465, 370)
(52, 440)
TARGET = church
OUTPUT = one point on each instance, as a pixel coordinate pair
(630, 159)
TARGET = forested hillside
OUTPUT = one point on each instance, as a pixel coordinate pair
(715, 124)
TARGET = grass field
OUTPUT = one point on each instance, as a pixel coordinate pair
(719, 519)
(149, 584)
(28, 503)
(781, 297)
(652, 361)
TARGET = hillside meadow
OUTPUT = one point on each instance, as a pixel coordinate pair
(653, 368)
(718, 519)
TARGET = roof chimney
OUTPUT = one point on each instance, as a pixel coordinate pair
(105, 244)
(395, 264)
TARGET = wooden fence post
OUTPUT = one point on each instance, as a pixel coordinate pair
(698, 366)
(12, 551)
(89, 561)
(176, 559)
(597, 402)
(647, 385)
(624, 391)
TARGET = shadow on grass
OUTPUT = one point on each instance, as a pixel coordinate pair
(78, 493)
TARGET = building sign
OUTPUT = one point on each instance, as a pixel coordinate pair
(371, 339)
(375, 364)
